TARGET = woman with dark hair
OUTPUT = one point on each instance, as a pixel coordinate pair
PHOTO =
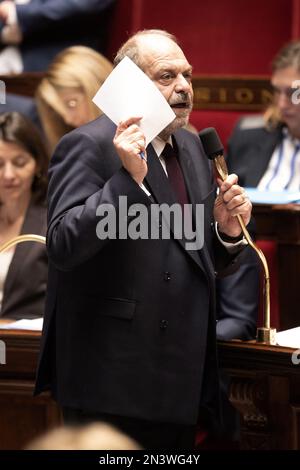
(23, 185)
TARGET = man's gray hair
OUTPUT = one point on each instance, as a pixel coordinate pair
(131, 47)
(288, 56)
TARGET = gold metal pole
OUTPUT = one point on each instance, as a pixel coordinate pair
(266, 334)
(20, 239)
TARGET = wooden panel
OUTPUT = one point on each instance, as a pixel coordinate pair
(231, 93)
(265, 388)
(295, 412)
(22, 84)
(22, 416)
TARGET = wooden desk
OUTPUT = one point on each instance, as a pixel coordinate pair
(282, 224)
(22, 416)
(22, 84)
(265, 388)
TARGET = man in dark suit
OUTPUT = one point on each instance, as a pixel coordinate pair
(265, 151)
(42, 28)
(24, 105)
(250, 149)
(238, 300)
(129, 332)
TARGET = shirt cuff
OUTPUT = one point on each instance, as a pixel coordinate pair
(11, 32)
(12, 14)
(231, 247)
(145, 189)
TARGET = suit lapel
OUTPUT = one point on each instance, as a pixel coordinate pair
(260, 157)
(198, 187)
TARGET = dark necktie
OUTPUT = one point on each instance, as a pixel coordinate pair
(175, 175)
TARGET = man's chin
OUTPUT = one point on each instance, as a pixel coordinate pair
(176, 124)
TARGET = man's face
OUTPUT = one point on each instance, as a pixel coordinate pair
(166, 65)
(282, 82)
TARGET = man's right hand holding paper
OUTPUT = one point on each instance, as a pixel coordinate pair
(129, 142)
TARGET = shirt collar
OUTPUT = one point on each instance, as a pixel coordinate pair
(159, 144)
(288, 136)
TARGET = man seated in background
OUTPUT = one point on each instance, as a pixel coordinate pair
(265, 151)
(34, 31)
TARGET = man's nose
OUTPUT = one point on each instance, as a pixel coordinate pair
(182, 84)
(283, 100)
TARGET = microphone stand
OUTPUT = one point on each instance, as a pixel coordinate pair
(265, 334)
(20, 239)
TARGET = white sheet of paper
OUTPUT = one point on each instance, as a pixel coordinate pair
(129, 92)
(35, 324)
(289, 338)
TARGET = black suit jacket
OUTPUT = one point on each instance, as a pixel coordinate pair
(49, 26)
(238, 298)
(25, 284)
(22, 104)
(250, 150)
(129, 325)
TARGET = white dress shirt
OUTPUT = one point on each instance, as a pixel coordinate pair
(5, 260)
(283, 171)
(11, 34)
(159, 144)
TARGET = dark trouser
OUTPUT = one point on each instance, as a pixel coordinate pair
(150, 435)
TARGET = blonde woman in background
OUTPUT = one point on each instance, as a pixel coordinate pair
(64, 96)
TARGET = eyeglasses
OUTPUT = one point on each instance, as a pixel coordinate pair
(287, 91)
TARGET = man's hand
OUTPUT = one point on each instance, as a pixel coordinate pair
(129, 141)
(231, 201)
(5, 9)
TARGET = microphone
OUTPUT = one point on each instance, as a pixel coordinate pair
(214, 150)
(211, 142)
